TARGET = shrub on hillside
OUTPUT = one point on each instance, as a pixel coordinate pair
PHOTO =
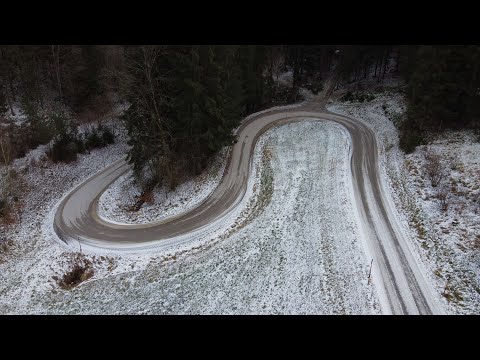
(434, 167)
(66, 142)
(411, 135)
(410, 140)
(98, 137)
(80, 270)
(93, 140)
(107, 136)
(63, 149)
(355, 96)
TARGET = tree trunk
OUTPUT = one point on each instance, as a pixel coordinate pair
(12, 89)
(37, 83)
(9, 99)
(40, 98)
(385, 64)
(398, 61)
(56, 62)
(379, 69)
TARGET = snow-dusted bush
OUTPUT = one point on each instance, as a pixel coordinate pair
(443, 196)
(434, 167)
(98, 137)
(357, 96)
(80, 270)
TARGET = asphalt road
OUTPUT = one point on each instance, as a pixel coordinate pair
(398, 278)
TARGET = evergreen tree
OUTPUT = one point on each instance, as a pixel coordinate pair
(201, 94)
(86, 76)
(253, 61)
(146, 123)
(443, 90)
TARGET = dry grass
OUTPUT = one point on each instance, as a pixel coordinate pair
(443, 196)
(80, 270)
(147, 197)
(476, 242)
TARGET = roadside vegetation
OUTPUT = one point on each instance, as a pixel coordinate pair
(80, 269)
(182, 103)
(442, 92)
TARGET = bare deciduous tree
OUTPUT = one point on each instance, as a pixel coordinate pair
(56, 65)
(434, 167)
(443, 196)
(5, 183)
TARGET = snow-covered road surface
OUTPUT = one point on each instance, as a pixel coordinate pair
(400, 283)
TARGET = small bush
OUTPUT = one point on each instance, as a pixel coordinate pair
(409, 141)
(107, 136)
(434, 168)
(40, 133)
(99, 137)
(66, 144)
(355, 96)
(64, 150)
(282, 94)
(93, 140)
(80, 145)
(80, 270)
(443, 196)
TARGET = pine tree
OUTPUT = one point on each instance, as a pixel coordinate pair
(253, 60)
(201, 93)
(146, 122)
(443, 90)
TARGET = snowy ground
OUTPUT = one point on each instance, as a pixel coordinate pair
(295, 249)
(443, 241)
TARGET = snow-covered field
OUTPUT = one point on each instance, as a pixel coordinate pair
(443, 241)
(295, 251)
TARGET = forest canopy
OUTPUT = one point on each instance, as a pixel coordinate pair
(184, 102)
